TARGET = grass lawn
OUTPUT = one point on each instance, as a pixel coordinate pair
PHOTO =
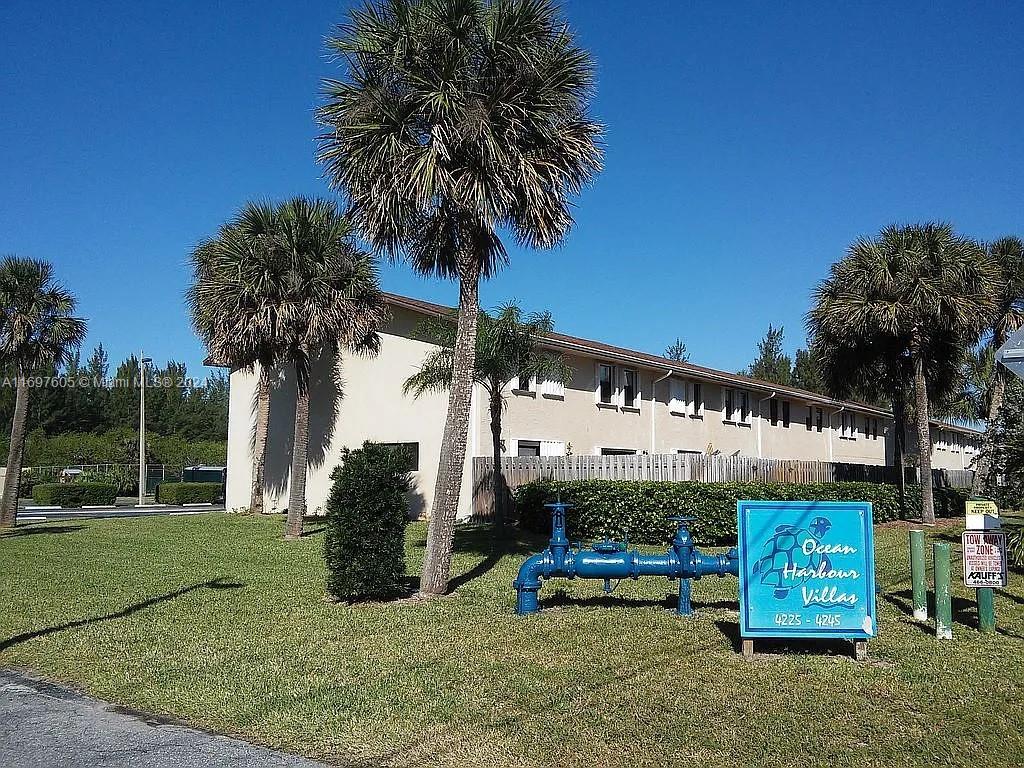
(218, 621)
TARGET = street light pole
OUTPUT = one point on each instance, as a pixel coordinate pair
(142, 426)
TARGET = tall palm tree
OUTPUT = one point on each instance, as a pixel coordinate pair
(921, 292)
(456, 119)
(36, 329)
(508, 347)
(332, 302)
(1008, 255)
(240, 278)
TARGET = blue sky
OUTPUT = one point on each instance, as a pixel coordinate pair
(747, 145)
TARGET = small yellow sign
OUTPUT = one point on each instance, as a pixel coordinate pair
(982, 507)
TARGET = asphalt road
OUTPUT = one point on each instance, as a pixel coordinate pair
(45, 726)
(28, 515)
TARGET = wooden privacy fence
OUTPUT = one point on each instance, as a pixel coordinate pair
(702, 468)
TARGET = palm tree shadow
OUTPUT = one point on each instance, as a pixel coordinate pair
(37, 530)
(326, 390)
(126, 611)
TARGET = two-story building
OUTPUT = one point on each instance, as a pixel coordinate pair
(618, 401)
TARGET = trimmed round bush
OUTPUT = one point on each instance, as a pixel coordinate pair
(189, 493)
(74, 494)
(364, 546)
(640, 510)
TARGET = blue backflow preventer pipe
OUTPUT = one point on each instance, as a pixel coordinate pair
(609, 560)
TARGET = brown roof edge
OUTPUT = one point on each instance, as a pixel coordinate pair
(656, 362)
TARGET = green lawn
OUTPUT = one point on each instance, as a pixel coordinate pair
(218, 621)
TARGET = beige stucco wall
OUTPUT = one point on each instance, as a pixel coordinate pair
(580, 422)
(371, 406)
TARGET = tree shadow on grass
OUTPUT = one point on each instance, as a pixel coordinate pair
(560, 598)
(36, 530)
(126, 611)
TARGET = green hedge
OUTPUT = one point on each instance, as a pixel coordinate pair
(640, 510)
(73, 494)
(189, 493)
(364, 546)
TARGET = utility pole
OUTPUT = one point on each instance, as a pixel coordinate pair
(142, 426)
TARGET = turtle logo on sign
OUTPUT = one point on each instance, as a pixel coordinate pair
(787, 561)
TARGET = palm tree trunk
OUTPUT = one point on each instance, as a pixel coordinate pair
(437, 560)
(498, 479)
(9, 503)
(300, 448)
(983, 467)
(924, 440)
(259, 451)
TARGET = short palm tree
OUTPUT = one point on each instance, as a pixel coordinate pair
(239, 282)
(508, 348)
(37, 329)
(1008, 255)
(457, 119)
(922, 292)
(332, 303)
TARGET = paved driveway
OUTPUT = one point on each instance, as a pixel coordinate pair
(46, 726)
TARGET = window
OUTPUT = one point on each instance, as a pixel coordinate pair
(529, 448)
(629, 388)
(697, 401)
(773, 412)
(525, 384)
(785, 414)
(411, 451)
(810, 418)
(554, 390)
(618, 452)
(605, 384)
(848, 426)
(677, 397)
(540, 448)
(819, 422)
(728, 412)
(874, 429)
(744, 398)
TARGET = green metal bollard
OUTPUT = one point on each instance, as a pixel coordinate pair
(917, 575)
(943, 599)
(986, 610)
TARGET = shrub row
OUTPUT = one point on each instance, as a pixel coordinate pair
(189, 493)
(640, 510)
(364, 546)
(73, 494)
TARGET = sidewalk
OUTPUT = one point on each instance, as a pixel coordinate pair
(44, 725)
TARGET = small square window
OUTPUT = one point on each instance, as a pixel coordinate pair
(529, 448)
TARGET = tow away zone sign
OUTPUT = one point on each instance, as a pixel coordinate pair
(984, 559)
